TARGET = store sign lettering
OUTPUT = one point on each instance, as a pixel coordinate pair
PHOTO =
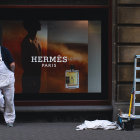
(49, 61)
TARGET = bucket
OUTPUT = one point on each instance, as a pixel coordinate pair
(126, 123)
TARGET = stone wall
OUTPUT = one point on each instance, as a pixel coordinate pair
(126, 45)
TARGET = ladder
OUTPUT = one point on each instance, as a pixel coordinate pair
(136, 80)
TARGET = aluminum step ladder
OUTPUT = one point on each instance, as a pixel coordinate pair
(136, 80)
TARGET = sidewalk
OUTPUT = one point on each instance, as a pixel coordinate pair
(61, 131)
(59, 126)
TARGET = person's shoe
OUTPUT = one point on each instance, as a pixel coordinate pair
(10, 124)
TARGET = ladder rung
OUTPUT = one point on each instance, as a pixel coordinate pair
(137, 104)
(137, 79)
(137, 68)
(137, 56)
(137, 116)
(137, 92)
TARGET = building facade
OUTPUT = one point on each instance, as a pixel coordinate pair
(115, 36)
(125, 47)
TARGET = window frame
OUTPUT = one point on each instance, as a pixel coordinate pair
(63, 101)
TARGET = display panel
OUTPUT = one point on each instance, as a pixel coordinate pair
(59, 53)
(44, 52)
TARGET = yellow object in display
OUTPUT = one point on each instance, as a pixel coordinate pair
(73, 78)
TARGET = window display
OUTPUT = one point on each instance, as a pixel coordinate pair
(62, 54)
(44, 52)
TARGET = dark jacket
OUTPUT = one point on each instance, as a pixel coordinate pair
(6, 57)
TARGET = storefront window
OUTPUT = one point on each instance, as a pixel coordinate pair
(59, 55)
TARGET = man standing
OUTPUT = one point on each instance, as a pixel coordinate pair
(7, 80)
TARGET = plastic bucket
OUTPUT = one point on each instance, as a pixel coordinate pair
(126, 123)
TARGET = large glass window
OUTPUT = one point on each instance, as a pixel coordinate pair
(44, 58)
(59, 55)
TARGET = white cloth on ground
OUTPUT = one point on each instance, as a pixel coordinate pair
(99, 124)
